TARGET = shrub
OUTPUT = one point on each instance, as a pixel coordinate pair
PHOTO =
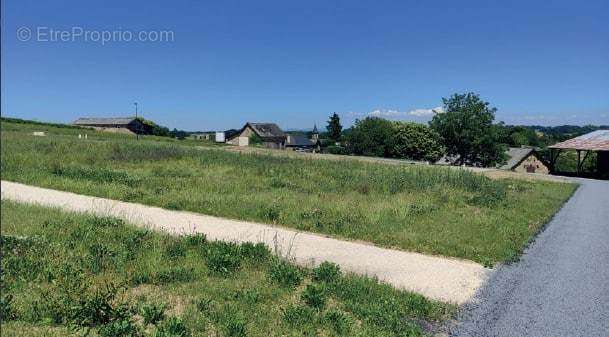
(327, 272)
(172, 327)
(153, 313)
(285, 274)
(315, 296)
(119, 328)
(298, 315)
(223, 258)
(333, 149)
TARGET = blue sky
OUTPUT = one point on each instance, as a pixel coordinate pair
(296, 62)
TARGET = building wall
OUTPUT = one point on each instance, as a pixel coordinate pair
(243, 138)
(122, 130)
(532, 165)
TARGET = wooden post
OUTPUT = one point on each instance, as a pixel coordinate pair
(578, 157)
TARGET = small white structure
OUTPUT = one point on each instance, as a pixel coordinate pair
(220, 138)
(39, 133)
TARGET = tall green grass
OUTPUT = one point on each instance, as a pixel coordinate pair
(426, 209)
(65, 272)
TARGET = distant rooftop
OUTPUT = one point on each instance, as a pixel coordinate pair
(593, 141)
(104, 121)
(516, 156)
(299, 141)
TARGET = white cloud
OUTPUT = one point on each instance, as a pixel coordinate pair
(426, 112)
(391, 113)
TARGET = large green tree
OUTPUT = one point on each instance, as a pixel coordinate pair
(416, 141)
(371, 136)
(467, 129)
(334, 127)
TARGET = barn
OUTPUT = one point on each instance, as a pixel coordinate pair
(269, 134)
(593, 142)
(129, 125)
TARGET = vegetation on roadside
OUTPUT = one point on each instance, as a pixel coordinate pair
(67, 274)
(431, 210)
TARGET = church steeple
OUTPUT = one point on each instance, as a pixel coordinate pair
(315, 135)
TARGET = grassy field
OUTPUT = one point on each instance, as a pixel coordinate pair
(25, 126)
(425, 209)
(67, 274)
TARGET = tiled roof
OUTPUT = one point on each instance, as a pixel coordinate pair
(593, 141)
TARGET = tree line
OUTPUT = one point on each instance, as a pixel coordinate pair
(464, 131)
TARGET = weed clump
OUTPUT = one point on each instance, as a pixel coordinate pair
(338, 321)
(175, 249)
(152, 313)
(234, 323)
(298, 315)
(119, 328)
(315, 295)
(327, 272)
(257, 253)
(196, 240)
(172, 327)
(223, 258)
(285, 274)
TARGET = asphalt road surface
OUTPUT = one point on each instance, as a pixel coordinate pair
(560, 287)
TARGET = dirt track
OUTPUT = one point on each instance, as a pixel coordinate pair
(444, 279)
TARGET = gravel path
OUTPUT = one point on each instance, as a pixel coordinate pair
(445, 279)
(561, 285)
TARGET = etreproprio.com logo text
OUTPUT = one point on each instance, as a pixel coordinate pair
(80, 34)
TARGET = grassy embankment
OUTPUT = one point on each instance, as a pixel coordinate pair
(66, 274)
(425, 209)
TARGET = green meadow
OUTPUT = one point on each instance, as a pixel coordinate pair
(431, 210)
(67, 274)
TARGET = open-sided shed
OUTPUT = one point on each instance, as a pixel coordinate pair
(596, 141)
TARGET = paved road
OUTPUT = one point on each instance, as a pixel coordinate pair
(560, 288)
(445, 279)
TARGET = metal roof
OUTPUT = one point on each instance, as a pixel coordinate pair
(593, 141)
(104, 121)
(516, 156)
